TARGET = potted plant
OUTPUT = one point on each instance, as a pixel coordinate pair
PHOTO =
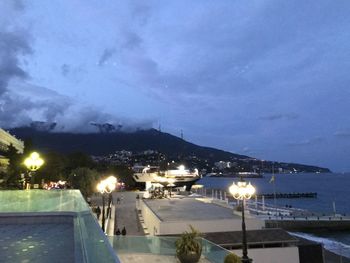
(232, 258)
(189, 246)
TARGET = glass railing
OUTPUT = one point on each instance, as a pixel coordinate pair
(22, 201)
(94, 243)
(162, 246)
(91, 244)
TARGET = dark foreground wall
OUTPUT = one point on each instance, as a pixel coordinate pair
(311, 253)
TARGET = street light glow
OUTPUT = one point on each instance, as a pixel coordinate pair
(108, 185)
(242, 190)
(33, 162)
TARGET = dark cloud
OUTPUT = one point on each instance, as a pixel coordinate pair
(65, 69)
(131, 40)
(13, 45)
(27, 103)
(106, 55)
(342, 134)
(18, 5)
(141, 11)
(274, 117)
(33, 103)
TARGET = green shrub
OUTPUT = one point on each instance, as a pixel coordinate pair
(189, 242)
(232, 258)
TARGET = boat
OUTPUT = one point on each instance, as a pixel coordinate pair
(151, 175)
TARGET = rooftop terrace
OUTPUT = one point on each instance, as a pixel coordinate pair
(188, 209)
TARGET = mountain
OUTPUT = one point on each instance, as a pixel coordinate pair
(105, 143)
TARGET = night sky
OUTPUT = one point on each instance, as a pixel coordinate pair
(269, 79)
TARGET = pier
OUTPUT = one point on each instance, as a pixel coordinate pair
(288, 218)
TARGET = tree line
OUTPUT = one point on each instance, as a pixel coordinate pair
(77, 168)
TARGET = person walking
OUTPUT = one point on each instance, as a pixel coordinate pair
(117, 233)
(124, 231)
(98, 212)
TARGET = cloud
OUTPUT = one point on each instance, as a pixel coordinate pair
(28, 103)
(65, 69)
(106, 55)
(213, 51)
(274, 117)
(25, 103)
(307, 142)
(342, 134)
(18, 4)
(131, 40)
(22, 102)
(12, 46)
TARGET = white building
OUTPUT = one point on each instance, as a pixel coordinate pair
(223, 165)
(6, 139)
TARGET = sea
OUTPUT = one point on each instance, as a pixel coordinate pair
(333, 195)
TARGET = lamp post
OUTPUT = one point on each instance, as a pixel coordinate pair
(33, 163)
(106, 186)
(243, 191)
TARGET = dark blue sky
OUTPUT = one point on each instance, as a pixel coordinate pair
(264, 78)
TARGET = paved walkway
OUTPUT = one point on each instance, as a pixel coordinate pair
(126, 214)
(109, 221)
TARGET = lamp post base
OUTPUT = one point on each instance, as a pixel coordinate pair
(246, 260)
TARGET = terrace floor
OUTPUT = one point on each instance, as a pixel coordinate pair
(188, 209)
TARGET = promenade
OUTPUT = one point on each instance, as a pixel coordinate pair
(126, 213)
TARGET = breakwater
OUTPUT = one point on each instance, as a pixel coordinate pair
(288, 195)
(310, 224)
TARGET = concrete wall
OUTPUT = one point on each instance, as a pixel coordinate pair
(152, 222)
(272, 255)
(207, 226)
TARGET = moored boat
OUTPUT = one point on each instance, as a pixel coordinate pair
(148, 175)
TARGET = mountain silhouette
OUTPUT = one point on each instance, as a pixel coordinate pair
(102, 143)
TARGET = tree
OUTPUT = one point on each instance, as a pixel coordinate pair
(84, 179)
(54, 169)
(79, 159)
(123, 173)
(13, 175)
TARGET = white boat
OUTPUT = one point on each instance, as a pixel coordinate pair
(149, 175)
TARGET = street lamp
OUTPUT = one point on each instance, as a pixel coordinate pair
(243, 191)
(106, 186)
(33, 163)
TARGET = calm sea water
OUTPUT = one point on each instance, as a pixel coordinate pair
(329, 188)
